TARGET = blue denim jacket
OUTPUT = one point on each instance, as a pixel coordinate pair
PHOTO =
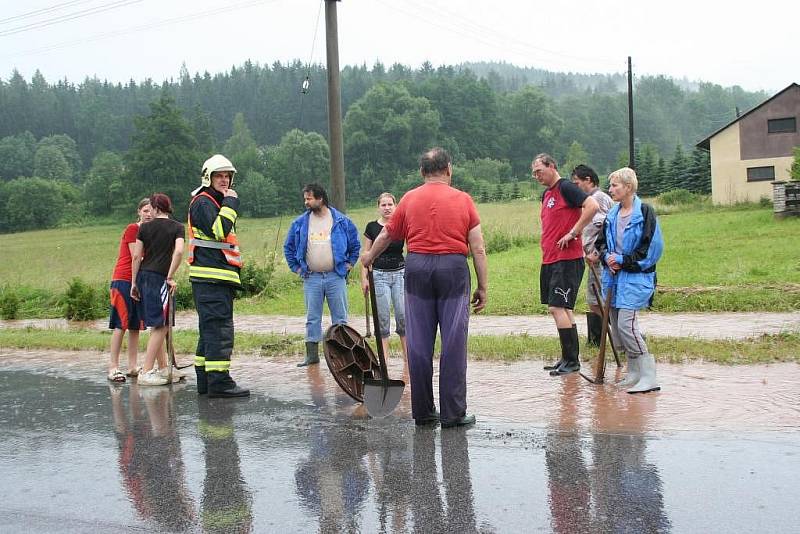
(344, 242)
(642, 245)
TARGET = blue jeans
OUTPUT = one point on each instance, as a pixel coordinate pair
(324, 286)
(389, 291)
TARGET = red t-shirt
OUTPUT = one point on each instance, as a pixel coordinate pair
(561, 209)
(122, 270)
(434, 218)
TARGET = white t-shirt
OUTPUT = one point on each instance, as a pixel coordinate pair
(319, 254)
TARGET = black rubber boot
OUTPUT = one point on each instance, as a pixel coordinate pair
(563, 359)
(594, 325)
(202, 380)
(571, 346)
(312, 354)
(221, 385)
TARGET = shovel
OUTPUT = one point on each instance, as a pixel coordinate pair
(381, 396)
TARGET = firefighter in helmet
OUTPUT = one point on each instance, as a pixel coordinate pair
(214, 265)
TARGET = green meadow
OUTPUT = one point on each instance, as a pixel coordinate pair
(716, 259)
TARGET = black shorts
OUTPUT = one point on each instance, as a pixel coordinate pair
(559, 282)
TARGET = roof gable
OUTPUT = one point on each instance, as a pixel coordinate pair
(706, 143)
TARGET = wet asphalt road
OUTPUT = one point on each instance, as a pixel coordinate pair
(82, 455)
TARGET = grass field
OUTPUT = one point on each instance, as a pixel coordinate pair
(764, 349)
(715, 259)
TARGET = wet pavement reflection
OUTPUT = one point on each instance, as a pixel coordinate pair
(715, 452)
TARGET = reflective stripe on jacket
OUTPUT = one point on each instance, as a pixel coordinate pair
(214, 254)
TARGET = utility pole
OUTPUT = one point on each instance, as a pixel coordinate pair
(631, 154)
(335, 138)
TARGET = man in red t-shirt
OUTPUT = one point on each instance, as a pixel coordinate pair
(565, 211)
(440, 225)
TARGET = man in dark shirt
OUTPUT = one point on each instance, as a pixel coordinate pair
(565, 211)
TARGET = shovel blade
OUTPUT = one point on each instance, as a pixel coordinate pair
(381, 399)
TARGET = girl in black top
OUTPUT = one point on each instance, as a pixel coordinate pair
(156, 257)
(388, 272)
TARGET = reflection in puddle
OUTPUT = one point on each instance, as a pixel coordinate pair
(694, 396)
(150, 458)
(585, 495)
(300, 455)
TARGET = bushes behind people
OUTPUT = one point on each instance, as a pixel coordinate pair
(9, 303)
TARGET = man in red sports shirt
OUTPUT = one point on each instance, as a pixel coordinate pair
(565, 211)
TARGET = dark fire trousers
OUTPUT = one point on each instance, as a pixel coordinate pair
(214, 305)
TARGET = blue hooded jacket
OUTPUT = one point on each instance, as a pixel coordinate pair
(642, 245)
(345, 243)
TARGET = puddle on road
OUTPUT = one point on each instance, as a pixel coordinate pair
(694, 396)
(549, 454)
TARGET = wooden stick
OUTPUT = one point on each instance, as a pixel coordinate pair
(596, 291)
(366, 314)
(600, 365)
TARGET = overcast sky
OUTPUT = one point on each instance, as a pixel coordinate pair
(752, 44)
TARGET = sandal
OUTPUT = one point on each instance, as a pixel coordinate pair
(134, 372)
(116, 376)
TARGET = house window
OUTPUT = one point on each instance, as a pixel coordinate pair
(787, 125)
(760, 174)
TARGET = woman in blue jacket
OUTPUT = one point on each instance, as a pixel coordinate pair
(630, 246)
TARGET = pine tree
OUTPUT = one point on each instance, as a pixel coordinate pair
(163, 156)
(660, 175)
(499, 194)
(678, 171)
(645, 169)
(699, 172)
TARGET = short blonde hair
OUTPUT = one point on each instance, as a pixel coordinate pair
(626, 176)
(386, 195)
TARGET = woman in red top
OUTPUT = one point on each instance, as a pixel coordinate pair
(125, 313)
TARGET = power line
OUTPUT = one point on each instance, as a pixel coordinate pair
(41, 11)
(142, 27)
(499, 36)
(489, 36)
(69, 16)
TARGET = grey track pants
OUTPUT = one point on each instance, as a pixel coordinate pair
(626, 332)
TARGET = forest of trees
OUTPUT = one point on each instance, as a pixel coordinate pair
(69, 151)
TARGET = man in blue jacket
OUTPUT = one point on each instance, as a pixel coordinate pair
(321, 247)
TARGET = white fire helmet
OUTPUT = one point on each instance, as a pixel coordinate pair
(215, 163)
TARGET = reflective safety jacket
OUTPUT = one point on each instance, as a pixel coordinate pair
(214, 255)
